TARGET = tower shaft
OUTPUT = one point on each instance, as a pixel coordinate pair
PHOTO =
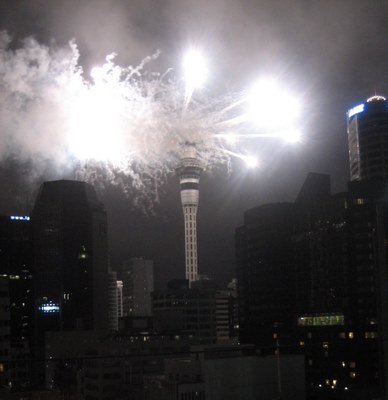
(188, 171)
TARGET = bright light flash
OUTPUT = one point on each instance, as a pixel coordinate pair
(251, 161)
(195, 69)
(95, 122)
(292, 135)
(229, 138)
(195, 73)
(271, 106)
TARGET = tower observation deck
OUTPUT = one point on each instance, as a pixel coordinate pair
(189, 170)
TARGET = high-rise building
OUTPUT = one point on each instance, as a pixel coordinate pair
(4, 332)
(71, 257)
(138, 284)
(265, 274)
(70, 262)
(119, 296)
(189, 170)
(312, 277)
(16, 258)
(368, 139)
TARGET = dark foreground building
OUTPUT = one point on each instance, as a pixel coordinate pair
(313, 278)
(16, 258)
(71, 260)
(313, 275)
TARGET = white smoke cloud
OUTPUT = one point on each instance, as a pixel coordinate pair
(35, 84)
(121, 124)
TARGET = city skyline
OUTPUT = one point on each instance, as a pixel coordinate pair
(334, 55)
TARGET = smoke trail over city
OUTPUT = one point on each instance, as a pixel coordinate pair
(126, 126)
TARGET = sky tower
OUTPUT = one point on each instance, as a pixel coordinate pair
(189, 170)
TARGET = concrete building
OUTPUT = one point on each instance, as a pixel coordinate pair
(228, 373)
(189, 170)
(119, 296)
(99, 365)
(223, 310)
(138, 284)
(189, 310)
(113, 317)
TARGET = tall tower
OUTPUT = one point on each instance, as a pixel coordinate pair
(189, 170)
(368, 139)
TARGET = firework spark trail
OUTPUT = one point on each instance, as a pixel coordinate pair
(126, 126)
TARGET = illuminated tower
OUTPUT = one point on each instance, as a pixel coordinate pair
(368, 139)
(189, 170)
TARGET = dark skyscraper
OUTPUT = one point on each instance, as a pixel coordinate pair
(313, 276)
(368, 139)
(16, 258)
(16, 264)
(265, 273)
(70, 244)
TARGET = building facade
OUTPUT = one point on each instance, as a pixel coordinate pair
(16, 262)
(113, 316)
(119, 296)
(189, 310)
(70, 261)
(138, 284)
(329, 301)
(368, 139)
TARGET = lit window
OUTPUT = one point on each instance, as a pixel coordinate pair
(321, 320)
(351, 335)
(334, 382)
(342, 335)
(343, 364)
(325, 345)
(275, 335)
(327, 382)
(352, 374)
(359, 201)
(1, 367)
(301, 343)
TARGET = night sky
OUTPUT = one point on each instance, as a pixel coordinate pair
(333, 53)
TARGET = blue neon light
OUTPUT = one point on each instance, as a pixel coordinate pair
(356, 110)
(49, 308)
(19, 218)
